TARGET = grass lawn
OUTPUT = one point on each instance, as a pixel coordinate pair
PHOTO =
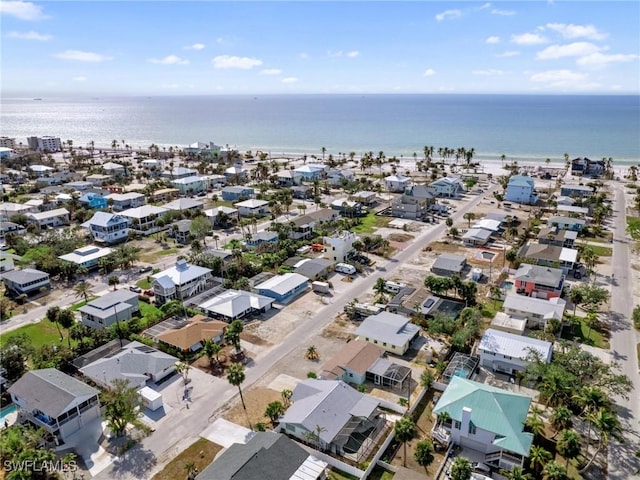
(144, 284)
(147, 308)
(78, 305)
(201, 453)
(582, 334)
(379, 473)
(41, 333)
(338, 475)
(491, 307)
(599, 239)
(601, 251)
(638, 349)
(371, 222)
(152, 257)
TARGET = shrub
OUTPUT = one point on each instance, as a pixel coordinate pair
(312, 375)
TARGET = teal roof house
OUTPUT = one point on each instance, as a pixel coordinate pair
(486, 419)
(521, 189)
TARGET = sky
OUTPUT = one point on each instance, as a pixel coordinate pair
(299, 47)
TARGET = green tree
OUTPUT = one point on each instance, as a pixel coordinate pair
(460, 469)
(538, 458)
(200, 228)
(14, 355)
(554, 471)
(561, 418)
(516, 473)
(113, 281)
(469, 216)
(311, 353)
(427, 378)
(274, 411)
(232, 334)
(212, 350)
(568, 445)
(82, 289)
(122, 404)
(380, 288)
(424, 454)
(236, 376)
(404, 430)
(23, 442)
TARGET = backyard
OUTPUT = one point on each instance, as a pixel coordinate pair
(200, 454)
(371, 222)
(580, 331)
(40, 334)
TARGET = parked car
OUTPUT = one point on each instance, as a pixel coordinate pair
(146, 269)
(135, 288)
(149, 293)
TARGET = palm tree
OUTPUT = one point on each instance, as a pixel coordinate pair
(380, 288)
(554, 471)
(82, 289)
(461, 469)
(516, 473)
(312, 353)
(404, 430)
(274, 411)
(538, 458)
(424, 454)
(212, 350)
(236, 376)
(534, 423)
(190, 467)
(469, 216)
(568, 445)
(561, 418)
(608, 426)
(114, 281)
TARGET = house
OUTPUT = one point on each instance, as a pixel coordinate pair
(218, 214)
(348, 208)
(365, 197)
(150, 164)
(261, 238)
(108, 228)
(56, 402)
(391, 331)
(486, 419)
(164, 194)
(314, 268)
(50, 219)
(288, 178)
(184, 204)
(79, 186)
(311, 172)
(337, 178)
(537, 311)
(476, 237)
(447, 264)
(87, 257)
(189, 336)
(323, 216)
(10, 227)
(549, 256)
(586, 167)
(180, 172)
(539, 281)
(93, 201)
(488, 224)
(204, 150)
(359, 361)
(236, 173)
(396, 183)
(110, 308)
(99, 179)
(575, 191)
(136, 363)
(237, 193)
(190, 185)
(267, 456)
(302, 192)
(302, 227)
(508, 353)
(351, 420)
(143, 219)
(283, 288)
(40, 170)
(180, 282)
(521, 189)
(8, 210)
(181, 231)
(340, 246)
(572, 209)
(231, 305)
(566, 223)
(124, 201)
(113, 169)
(564, 200)
(556, 236)
(6, 261)
(505, 323)
(252, 207)
(25, 281)
(446, 187)
(408, 206)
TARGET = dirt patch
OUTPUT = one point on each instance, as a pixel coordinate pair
(256, 401)
(201, 453)
(400, 237)
(255, 339)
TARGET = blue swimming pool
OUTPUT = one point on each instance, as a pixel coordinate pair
(5, 412)
(507, 285)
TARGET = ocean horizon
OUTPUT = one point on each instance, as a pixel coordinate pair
(526, 128)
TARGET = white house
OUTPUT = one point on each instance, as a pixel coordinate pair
(340, 246)
(108, 228)
(521, 189)
(51, 218)
(537, 311)
(113, 169)
(124, 201)
(396, 183)
(390, 331)
(507, 352)
(88, 256)
(143, 219)
(446, 187)
(252, 207)
(180, 282)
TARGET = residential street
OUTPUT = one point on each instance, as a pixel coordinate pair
(623, 464)
(179, 431)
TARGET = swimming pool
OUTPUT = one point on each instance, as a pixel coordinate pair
(450, 308)
(507, 285)
(487, 255)
(5, 412)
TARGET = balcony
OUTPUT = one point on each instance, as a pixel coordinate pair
(441, 434)
(504, 460)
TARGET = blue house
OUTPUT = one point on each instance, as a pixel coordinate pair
(283, 288)
(566, 223)
(233, 194)
(310, 171)
(521, 189)
(262, 238)
(94, 201)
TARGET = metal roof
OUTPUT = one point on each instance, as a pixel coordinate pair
(512, 345)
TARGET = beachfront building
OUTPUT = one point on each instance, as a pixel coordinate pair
(537, 311)
(190, 185)
(566, 223)
(87, 257)
(44, 144)
(311, 171)
(180, 282)
(56, 402)
(110, 308)
(446, 187)
(391, 331)
(252, 208)
(108, 228)
(340, 246)
(283, 288)
(50, 219)
(576, 191)
(143, 219)
(7, 142)
(396, 183)
(586, 167)
(484, 419)
(124, 201)
(521, 189)
(539, 281)
(25, 281)
(203, 150)
(509, 353)
(288, 178)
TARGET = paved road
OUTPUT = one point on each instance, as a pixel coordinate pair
(623, 464)
(178, 431)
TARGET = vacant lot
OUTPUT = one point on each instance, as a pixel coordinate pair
(201, 453)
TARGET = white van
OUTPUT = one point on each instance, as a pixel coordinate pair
(345, 268)
(393, 287)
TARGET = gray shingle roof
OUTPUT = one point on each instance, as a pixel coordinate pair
(23, 276)
(449, 262)
(389, 328)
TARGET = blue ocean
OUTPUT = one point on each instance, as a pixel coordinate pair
(522, 127)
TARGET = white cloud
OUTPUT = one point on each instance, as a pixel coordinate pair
(489, 72)
(195, 46)
(289, 80)
(303, 56)
(559, 78)
(577, 31)
(232, 61)
(576, 49)
(22, 10)
(353, 54)
(169, 60)
(493, 39)
(454, 13)
(340, 53)
(508, 53)
(528, 39)
(429, 72)
(81, 56)
(271, 71)
(80, 78)
(485, 6)
(504, 13)
(598, 59)
(30, 35)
